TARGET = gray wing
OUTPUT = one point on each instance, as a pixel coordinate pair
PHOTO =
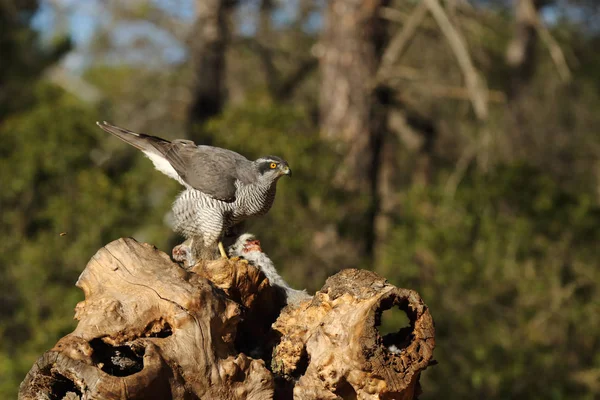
(211, 170)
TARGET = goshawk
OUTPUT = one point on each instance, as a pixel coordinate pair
(223, 188)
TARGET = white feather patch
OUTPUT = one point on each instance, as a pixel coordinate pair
(164, 166)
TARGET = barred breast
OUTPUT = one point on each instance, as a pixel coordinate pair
(252, 200)
(199, 215)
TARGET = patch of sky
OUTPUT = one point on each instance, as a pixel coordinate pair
(286, 13)
(247, 17)
(180, 9)
(77, 19)
(143, 41)
(43, 20)
(313, 23)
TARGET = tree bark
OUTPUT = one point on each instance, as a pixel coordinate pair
(521, 59)
(347, 358)
(149, 329)
(208, 44)
(520, 54)
(353, 113)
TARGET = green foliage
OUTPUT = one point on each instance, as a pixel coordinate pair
(22, 55)
(509, 269)
(52, 186)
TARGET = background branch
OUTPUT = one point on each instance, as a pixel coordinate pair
(475, 85)
(401, 40)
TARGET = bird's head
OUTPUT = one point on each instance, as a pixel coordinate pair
(272, 167)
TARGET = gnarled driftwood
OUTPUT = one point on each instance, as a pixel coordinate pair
(149, 329)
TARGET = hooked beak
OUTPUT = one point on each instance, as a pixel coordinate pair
(287, 171)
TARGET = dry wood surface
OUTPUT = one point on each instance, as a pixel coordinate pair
(149, 329)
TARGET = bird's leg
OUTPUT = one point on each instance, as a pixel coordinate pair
(222, 250)
(235, 258)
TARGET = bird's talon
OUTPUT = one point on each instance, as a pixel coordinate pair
(239, 259)
(222, 251)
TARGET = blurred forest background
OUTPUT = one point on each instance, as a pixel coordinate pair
(450, 145)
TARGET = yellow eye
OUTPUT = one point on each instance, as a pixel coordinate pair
(273, 165)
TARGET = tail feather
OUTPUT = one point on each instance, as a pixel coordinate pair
(153, 147)
(145, 143)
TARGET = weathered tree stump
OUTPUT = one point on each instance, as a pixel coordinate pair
(148, 329)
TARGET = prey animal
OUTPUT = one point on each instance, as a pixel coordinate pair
(222, 187)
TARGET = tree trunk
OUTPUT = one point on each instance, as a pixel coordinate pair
(521, 58)
(149, 329)
(520, 55)
(352, 107)
(208, 44)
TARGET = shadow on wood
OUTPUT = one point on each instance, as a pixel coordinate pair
(148, 329)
